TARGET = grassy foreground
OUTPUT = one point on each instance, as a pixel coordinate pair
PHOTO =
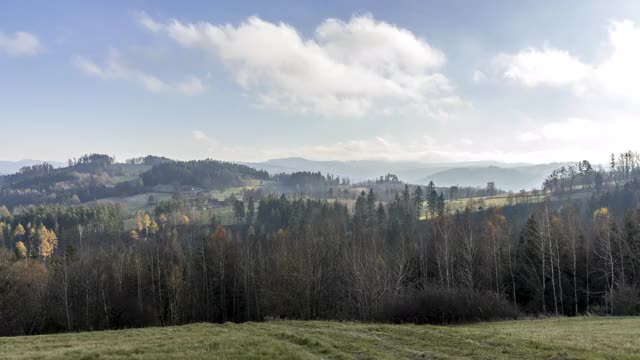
(577, 338)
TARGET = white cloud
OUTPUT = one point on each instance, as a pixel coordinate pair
(544, 67)
(19, 43)
(355, 68)
(145, 20)
(617, 75)
(115, 68)
(111, 70)
(151, 82)
(200, 135)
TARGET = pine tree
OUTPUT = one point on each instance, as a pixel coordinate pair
(371, 208)
(238, 210)
(441, 204)
(418, 200)
(251, 210)
(432, 198)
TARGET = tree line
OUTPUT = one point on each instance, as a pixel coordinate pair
(622, 168)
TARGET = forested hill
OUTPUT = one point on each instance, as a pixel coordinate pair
(45, 174)
(202, 173)
(98, 176)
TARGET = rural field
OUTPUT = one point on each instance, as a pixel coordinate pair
(553, 338)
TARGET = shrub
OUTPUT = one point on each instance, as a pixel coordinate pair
(626, 301)
(446, 306)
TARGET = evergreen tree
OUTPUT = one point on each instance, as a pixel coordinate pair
(238, 210)
(441, 204)
(432, 198)
(418, 200)
(251, 210)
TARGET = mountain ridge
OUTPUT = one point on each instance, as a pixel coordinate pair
(508, 176)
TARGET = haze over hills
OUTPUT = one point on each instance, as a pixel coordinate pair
(10, 167)
(508, 176)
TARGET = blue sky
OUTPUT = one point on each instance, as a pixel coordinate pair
(428, 81)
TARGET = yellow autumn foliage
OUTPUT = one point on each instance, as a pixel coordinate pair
(21, 250)
(48, 241)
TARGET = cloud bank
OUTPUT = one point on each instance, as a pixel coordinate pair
(355, 68)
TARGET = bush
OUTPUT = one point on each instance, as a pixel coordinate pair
(447, 306)
(626, 301)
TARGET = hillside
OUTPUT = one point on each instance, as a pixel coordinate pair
(564, 338)
(96, 176)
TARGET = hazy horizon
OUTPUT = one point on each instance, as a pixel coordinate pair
(381, 160)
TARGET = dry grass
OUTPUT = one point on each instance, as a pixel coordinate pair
(576, 338)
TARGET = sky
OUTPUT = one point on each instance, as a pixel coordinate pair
(428, 81)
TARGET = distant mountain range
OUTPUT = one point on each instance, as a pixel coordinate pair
(10, 167)
(507, 176)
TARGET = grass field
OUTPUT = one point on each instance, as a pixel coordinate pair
(138, 202)
(503, 200)
(575, 338)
